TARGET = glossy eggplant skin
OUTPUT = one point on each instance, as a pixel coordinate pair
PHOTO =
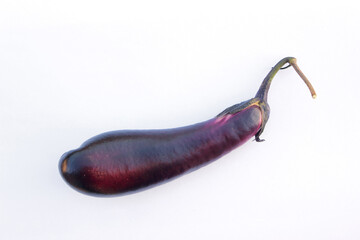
(125, 161)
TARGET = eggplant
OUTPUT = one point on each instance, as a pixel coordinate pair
(126, 161)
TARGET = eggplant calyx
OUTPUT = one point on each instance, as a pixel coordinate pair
(262, 93)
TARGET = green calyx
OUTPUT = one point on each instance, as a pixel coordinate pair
(260, 98)
(262, 93)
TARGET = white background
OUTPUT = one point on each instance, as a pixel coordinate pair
(70, 70)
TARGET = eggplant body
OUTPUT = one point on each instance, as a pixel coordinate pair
(124, 161)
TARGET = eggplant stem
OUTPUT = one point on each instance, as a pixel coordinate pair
(303, 77)
(265, 85)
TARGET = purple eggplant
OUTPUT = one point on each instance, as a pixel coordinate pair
(126, 161)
